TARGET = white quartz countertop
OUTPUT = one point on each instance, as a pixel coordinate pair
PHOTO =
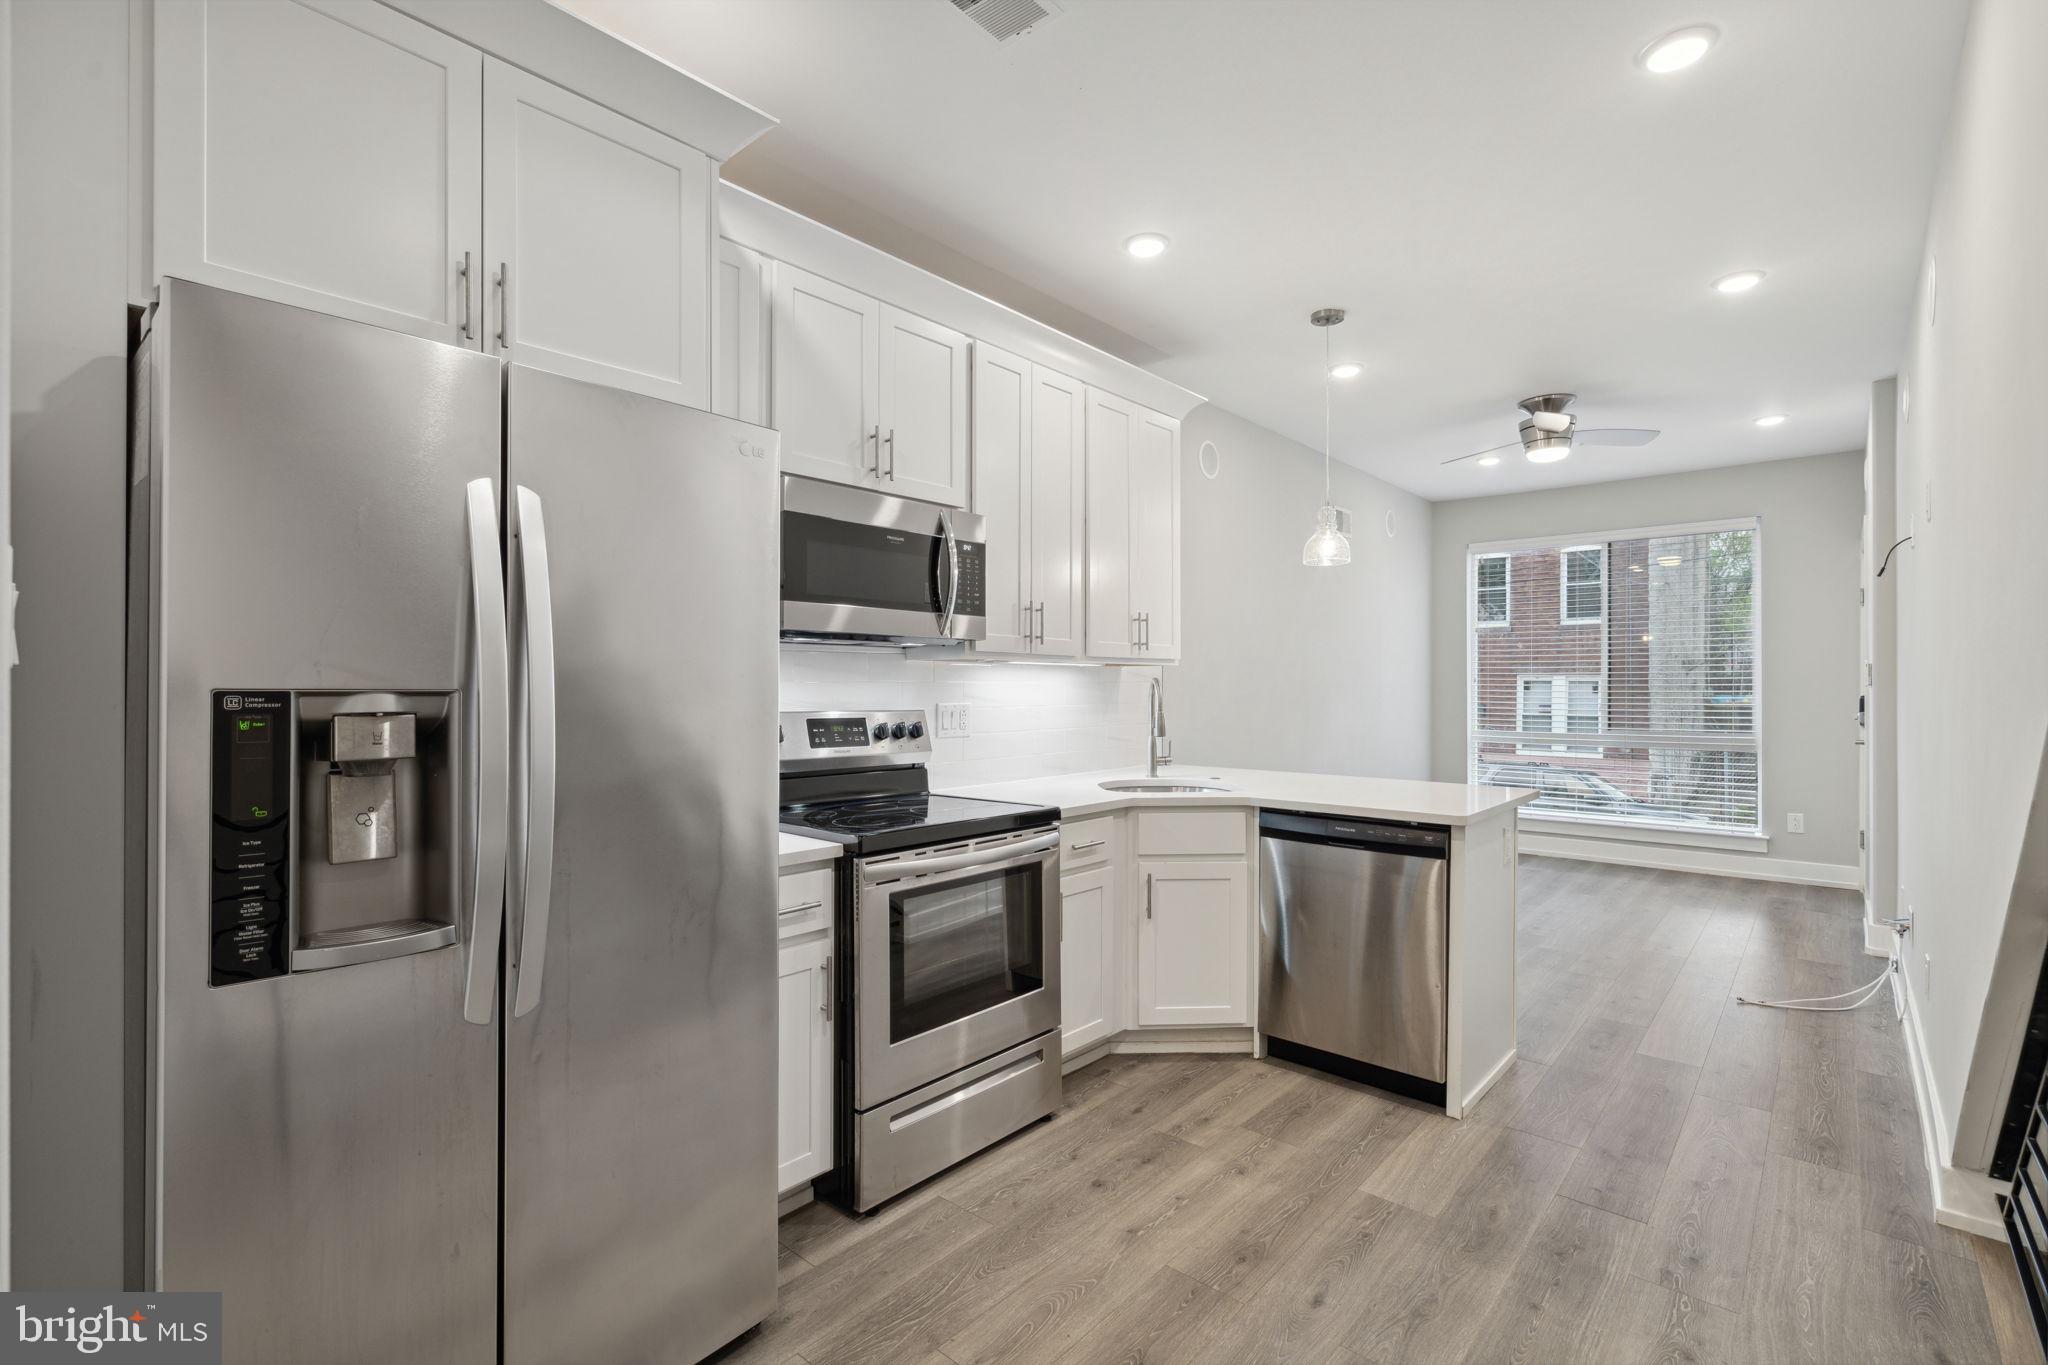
(1367, 798)
(798, 851)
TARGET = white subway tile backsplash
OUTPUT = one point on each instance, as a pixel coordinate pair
(1024, 720)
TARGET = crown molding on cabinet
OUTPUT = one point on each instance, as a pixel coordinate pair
(785, 235)
(559, 47)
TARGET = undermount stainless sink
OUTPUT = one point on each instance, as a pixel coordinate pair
(1161, 784)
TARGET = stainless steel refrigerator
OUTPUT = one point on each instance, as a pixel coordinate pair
(452, 691)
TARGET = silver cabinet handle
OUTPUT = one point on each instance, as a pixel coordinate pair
(799, 909)
(1148, 895)
(493, 754)
(533, 608)
(1041, 623)
(876, 437)
(462, 273)
(825, 1005)
(1145, 631)
(891, 438)
(949, 590)
(1083, 848)
(504, 300)
(1137, 619)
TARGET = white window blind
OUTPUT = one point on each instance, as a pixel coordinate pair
(1618, 675)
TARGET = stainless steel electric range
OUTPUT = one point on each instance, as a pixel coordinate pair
(949, 934)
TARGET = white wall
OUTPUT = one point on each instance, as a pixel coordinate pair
(68, 410)
(1024, 720)
(1812, 512)
(1284, 666)
(1972, 632)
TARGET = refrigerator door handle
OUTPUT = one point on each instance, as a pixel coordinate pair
(493, 757)
(536, 852)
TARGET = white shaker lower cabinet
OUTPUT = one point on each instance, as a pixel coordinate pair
(804, 1012)
(1194, 942)
(1087, 957)
(327, 155)
(597, 242)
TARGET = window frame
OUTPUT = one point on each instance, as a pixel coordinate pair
(1565, 585)
(1507, 592)
(1561, 686)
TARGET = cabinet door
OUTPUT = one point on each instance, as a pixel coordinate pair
(803, 1120)
(739, 333)
(1002, 491)
(597, 239)
(822, 387)
(322, 153)
(1194, 943)
(1111, 433)
(923, 409)
(1087, 958)
(1058, 440)
(1155, 535)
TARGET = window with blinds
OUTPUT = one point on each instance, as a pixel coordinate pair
(1618, 675)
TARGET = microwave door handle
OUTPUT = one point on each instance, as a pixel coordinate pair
(492, 770)
(949, 583)
(536, 828)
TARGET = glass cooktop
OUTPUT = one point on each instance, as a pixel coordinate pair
(908, 819)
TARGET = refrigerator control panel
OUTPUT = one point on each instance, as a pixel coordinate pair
(252, 792)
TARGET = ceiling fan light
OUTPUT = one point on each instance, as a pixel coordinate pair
(1548, 449)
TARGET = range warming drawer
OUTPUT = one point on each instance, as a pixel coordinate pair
(1354, 931)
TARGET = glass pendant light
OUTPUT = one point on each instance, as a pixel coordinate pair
(1327, 546)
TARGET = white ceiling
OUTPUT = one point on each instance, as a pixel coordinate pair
(1503, 200)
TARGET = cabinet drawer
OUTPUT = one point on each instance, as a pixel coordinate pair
(1167, 834)
(803, 902)
(1084, 843)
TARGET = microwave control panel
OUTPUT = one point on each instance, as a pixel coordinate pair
(252, 794)
(973, 598)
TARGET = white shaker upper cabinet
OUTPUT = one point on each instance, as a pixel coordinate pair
(923, 409)
(739, 333)
(1155, 535)
(1002, 495)
(1112, 426)
(322, 153)
(1058, 440)
(597, 242)
(826, 343)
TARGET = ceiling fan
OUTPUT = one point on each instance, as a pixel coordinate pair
(1549, 432)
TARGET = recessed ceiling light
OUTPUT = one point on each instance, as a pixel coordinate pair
(1145, 245)
(1773, 419)
(1741, 282)
(1488, 461)
(1677, 51)
(1350, 369)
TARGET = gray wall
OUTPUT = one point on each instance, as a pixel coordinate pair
(68, 418)
(1812, 512)
(1284, 666)
(1972, 633)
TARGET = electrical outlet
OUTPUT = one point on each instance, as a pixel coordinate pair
(952, 720)
(1795, 822)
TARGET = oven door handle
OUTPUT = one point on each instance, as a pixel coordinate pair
(979, 859)
(949, 582)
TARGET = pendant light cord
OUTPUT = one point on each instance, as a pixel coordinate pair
(1326, 416)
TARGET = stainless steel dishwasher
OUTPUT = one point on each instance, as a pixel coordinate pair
(1353, 930)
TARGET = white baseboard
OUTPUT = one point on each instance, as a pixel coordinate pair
(794, 1200)
(1183, 1040)
(1094, 1052)
(1478, 1092)
(1964, 1200)
(1673, 858)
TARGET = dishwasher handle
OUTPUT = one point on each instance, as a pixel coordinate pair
(1378, 836)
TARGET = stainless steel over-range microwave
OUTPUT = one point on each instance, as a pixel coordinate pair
(859, 565)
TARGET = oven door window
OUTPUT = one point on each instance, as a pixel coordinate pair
(963, 947)
(845, 563)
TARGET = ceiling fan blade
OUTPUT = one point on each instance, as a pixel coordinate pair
(1614, 436)
(1511, 445)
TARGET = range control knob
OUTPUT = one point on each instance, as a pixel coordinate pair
(917, 729)
(881, 733)
(898, 730)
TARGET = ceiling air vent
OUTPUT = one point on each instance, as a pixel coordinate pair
(1007, 19)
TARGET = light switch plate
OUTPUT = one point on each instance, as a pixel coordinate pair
(1795, 823)
(951, 719)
